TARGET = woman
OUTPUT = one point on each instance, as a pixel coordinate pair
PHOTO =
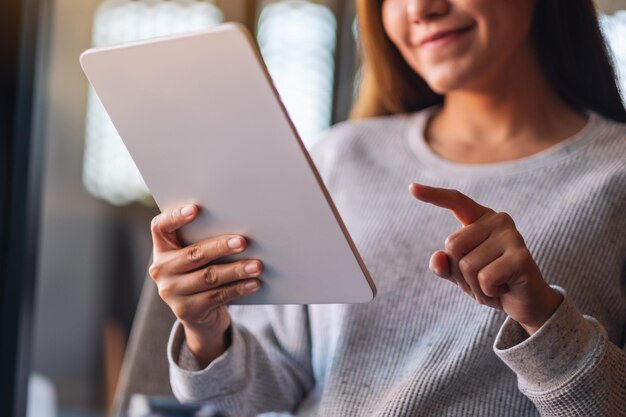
(513, 103)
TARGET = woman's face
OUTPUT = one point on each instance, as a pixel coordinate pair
(455, 44)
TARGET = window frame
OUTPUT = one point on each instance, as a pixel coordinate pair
(20, 190)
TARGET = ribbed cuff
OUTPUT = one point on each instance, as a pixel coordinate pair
(562, 349)
(225, 375)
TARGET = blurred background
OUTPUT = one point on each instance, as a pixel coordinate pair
(94, 244)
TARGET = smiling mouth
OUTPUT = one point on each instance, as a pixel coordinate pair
(445, 37)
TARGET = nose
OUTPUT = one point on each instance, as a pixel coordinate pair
(424, 10)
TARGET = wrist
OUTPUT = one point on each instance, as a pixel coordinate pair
(549, 302)
(206, 345)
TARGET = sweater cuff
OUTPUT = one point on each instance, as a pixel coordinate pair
(562, 349)
(223, 376)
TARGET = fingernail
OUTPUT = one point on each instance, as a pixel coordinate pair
(251, 285)
(235, 243)
(187, 211)
(251, 267)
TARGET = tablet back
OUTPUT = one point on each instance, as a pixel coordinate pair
(203, 123)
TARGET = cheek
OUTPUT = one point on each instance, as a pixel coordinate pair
(393, 21)
(397, 29)
(506, 25)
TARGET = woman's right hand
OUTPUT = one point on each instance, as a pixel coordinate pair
(197, 293)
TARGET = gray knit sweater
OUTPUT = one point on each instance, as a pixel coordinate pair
(422, 347)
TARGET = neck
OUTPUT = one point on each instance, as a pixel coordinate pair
(517, 104)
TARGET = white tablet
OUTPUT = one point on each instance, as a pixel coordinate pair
(204, 124)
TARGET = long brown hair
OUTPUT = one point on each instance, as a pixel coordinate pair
(571, 49)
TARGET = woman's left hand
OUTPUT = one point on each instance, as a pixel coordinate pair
(488, 259)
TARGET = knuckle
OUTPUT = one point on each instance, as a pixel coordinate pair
(240, 290)
(466, 265)
(218, 297)
(453, 245)
(221, 246)
(504, 220)
(165, 291)
(492, 290)
(484, 278)
(155, 271)
(183, 311)
(239, 269)
(154, 224)
(210, 275)
(233, 292)
(458, 195)
(519, 239)
(513, 237)
(193, 253)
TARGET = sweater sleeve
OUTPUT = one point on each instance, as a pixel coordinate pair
(267, 367)
(568, 367)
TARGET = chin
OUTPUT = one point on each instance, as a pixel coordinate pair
(443, 84)
(445, 78)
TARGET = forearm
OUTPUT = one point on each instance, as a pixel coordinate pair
(206, 346)
(568, 367)
(253, 375)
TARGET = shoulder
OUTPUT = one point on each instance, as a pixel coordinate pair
(610, 143)
(348, 131)
(602, 164)
(356, 138)
(598, 150)
(605, 157)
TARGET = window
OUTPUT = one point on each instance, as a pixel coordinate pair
(297, 40)
(614, 27)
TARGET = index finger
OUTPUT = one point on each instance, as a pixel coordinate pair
(165, 225)
(466, 210)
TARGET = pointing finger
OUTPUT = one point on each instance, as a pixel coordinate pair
(466, 210)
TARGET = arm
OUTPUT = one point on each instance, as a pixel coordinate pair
(252, 360)
(267, 366)
(268, 363)
(564, 361)
(568, 367)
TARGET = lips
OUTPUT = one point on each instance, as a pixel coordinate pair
(441, 34)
